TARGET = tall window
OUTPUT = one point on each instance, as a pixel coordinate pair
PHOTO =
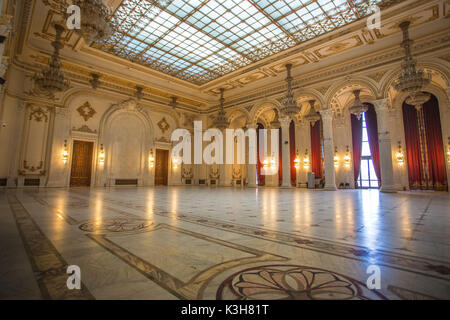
(367, 176)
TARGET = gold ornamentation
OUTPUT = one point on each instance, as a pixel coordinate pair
(237, 173)
(84, 128)
(163, 125)
(377, 76)
(214, 174)
(32, 168)
(38, 114)
(86, 111)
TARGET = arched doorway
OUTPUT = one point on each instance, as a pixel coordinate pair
(292, 152)
(317, 149)
(424, 146)
(260, 178)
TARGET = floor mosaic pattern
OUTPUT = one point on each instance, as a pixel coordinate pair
(223, 243)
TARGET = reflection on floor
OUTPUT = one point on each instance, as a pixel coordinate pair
(223, 243)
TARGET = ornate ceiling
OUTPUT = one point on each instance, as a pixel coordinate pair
(202, 40)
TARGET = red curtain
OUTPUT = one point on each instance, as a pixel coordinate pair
(372, 131)
(357, 145)
(292, 153)
(437, 174)
(413, 154)
(261, 178)
(316, 150)
(280, 158)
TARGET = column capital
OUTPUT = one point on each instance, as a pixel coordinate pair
(61, 111)
(251, 126)
(285, 122)
(327, 114)
(380, 105)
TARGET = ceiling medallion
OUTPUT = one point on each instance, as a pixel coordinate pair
(411, 80)
(51, 79)
(289, 107)
(313, 116)
(221, 121)
(96, 23)
(358, 108)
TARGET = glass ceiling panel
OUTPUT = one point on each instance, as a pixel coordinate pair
(202, 40)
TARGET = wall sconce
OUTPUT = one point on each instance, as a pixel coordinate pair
(347, 158)
(175, 163)
(273, 164)
(101, 155)
(297, 161)
(448, 150)
(399, 155)
(151, 159)
(266, 164)
(336, 158)
(270, 165)
(65, 153)
(306, 160)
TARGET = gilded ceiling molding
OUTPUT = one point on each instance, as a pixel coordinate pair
(390, 76)
(351, 82)
(357, 67)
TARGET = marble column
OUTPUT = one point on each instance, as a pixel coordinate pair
(330, 175)
(303, 144)
(251, 171)
(58, 173)
(285, 149)
(16, 144)
(225, 170)
(384, 141)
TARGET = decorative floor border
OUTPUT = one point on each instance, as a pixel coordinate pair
(423, 266)
(194, 288)
(48, 266)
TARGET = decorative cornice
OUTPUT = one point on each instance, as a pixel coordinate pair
(392, 56)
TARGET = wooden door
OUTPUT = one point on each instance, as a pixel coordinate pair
(80, 175)
(162, 167)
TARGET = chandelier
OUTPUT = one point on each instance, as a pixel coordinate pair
(358, 108)
(96, 24)
(289, 107)
(221, 121)
(411, 80)
(51, 79)
(313, 116)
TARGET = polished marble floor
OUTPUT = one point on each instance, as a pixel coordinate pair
(223, 243)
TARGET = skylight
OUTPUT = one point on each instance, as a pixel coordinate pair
(200, 41)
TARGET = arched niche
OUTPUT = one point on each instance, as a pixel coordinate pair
(127, 134)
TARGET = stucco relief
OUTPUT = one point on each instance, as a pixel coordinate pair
(86, 111)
